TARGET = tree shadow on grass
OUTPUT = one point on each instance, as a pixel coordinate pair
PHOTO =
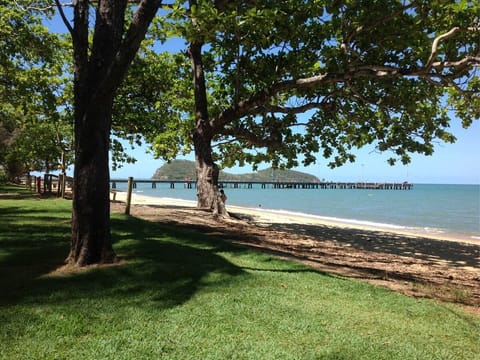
(160, 265)
(33, 242)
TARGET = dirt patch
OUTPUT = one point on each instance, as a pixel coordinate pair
(71, 269)
(415, 266)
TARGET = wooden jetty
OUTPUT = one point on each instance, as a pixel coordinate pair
(191, 184)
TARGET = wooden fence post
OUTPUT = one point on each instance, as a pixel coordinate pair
(129, 195)
(59, 185)
(62, 182)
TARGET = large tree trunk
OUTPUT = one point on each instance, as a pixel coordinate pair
(207, 171)
(99, 68)
(91, 240)
(93, 98)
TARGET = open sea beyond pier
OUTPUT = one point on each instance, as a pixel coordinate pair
(431, 209)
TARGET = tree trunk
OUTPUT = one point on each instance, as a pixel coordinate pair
(93, 98)
(207, 171)
(208, 194)
(91, 241)
(99, 69)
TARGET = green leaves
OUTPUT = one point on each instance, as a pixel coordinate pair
(153, 104)
(371, 55)
(32, 131)
(258, 56)
(377, 90)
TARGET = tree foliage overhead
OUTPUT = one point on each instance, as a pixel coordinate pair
(151, 104)
(32, 130)
(297, 78)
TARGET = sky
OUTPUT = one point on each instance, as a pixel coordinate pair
(456, 163)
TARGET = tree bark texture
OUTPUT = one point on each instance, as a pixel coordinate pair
(206, 170)
(91, 240)
(99, 69)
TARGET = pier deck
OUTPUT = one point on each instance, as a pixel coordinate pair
(191, 184)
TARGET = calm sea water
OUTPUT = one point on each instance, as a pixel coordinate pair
(435, 208)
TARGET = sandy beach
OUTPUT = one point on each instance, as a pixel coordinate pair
(411, 261)
(271, 216)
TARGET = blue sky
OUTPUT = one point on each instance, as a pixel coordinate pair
(456, 163)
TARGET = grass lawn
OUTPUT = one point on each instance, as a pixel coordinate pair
(184, 295)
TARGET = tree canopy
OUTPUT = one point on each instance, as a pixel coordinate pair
(151, 103)
(32, 129)
(293, 78)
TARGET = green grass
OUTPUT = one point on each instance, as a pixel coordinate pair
(8, 188)
(184, 295)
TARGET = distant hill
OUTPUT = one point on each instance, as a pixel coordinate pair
(184, 169)
(176, 170)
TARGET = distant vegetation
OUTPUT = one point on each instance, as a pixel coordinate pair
(184, 169)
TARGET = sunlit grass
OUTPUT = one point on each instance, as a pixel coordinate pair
(179, 294)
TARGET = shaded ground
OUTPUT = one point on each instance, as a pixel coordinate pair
(420, 267)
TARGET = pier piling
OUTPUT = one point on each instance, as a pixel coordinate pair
(190, 184)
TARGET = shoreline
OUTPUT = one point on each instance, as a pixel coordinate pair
(269, 216)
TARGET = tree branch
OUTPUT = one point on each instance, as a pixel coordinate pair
(260, 100)
(135, 34)
(25, 8)
(239, 133)
(436, 42)
(291, 110)
(64, 18)
(468, 60)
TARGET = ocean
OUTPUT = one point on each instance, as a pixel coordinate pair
(435, 209)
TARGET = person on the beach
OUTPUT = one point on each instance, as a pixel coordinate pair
(223, 196)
